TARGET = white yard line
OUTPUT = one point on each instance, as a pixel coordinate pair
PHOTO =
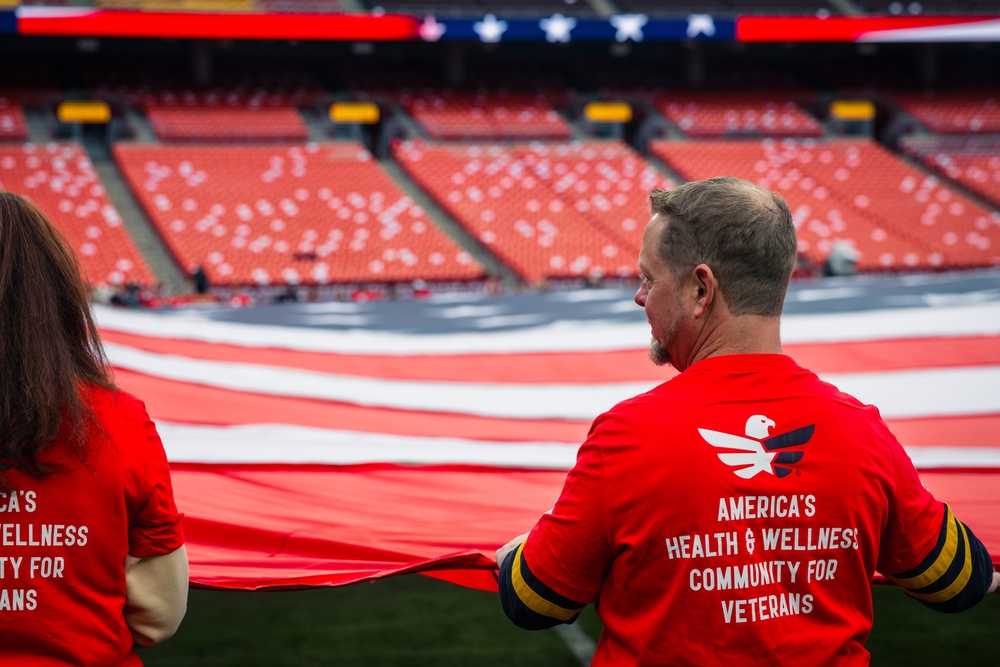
(578, 641)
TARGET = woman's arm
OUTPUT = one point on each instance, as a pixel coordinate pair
(156, 596)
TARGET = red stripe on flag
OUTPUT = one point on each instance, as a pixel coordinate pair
(294, 526)
(589, 367)
(260, 527)
(187, 403)
(965, 431)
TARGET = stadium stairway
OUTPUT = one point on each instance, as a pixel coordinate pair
(446, 224)
(38, 127)
(139, 227)
(315, 125)
(139, 125)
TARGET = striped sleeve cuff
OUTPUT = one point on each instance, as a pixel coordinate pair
(528, 602)
(955, 575)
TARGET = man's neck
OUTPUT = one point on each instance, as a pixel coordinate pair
(743, 334)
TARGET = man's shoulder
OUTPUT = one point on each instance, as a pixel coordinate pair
(658, 402)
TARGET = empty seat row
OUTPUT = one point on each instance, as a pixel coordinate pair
(60, 179)
(728, 113)
(979, 172)
(202, 123)
(299, 214)
(548, 210)
(972, 111)
(896, 216)
(13, 124)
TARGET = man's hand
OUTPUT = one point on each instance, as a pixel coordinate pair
(994, 587)
(516, 542)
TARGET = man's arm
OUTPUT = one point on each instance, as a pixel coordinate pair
(507, 548)
(547, 576)
(529, 603)
(955, 575)
(156, 596)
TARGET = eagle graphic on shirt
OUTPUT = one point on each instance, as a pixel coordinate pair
(759, 451)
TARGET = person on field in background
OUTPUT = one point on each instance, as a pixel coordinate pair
(92, 563)
(737, 513)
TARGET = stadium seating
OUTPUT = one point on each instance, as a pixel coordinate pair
(61, 180)
(549, 210)
(494, 105)
(208, 123)
(276, 214)
(896, 216)
(973, 162)
(229, 87)
(13, 124)
(238, 107)
(728, 113)
(492, 115)
(980, 173)
(970, 111)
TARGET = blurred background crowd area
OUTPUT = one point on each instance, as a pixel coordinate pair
(238, 170)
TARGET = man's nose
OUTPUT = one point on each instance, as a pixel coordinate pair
(640, 296)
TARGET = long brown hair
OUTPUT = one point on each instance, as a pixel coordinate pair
(49, 345)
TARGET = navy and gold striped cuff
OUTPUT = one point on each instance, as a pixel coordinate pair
(527, 601)
(951, 578)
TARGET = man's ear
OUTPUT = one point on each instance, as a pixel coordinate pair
(705, 286)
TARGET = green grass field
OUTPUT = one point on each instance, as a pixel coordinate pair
(415, 620)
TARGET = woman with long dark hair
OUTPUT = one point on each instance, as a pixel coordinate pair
(92, 559)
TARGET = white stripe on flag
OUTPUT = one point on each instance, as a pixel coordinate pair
(276, 443)
(931, 392)
(520, 401)
(565, 336)
(898, 394)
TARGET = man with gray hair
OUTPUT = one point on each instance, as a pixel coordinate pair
(737, 513)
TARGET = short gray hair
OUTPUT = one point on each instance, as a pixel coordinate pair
(743, 232)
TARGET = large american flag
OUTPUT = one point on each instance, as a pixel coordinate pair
(330, 443)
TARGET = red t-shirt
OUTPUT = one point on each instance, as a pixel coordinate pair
(64, 538)
(735, 515)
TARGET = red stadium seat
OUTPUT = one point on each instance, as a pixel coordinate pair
(971, 161)
(278, 214)
(549, 210)
(978, 172)
(61, 180)
(729, 113)
(207, 123)
(13, 124)
(896, 216)
(449, 114)
(954, 111)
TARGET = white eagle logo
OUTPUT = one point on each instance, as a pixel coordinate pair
(757, 451)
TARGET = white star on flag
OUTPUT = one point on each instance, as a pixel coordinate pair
(489, 29)
(431, 30)
(700, 24)
(557, 27)
(629, 26)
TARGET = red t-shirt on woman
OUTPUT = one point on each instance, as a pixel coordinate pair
(64, 538)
